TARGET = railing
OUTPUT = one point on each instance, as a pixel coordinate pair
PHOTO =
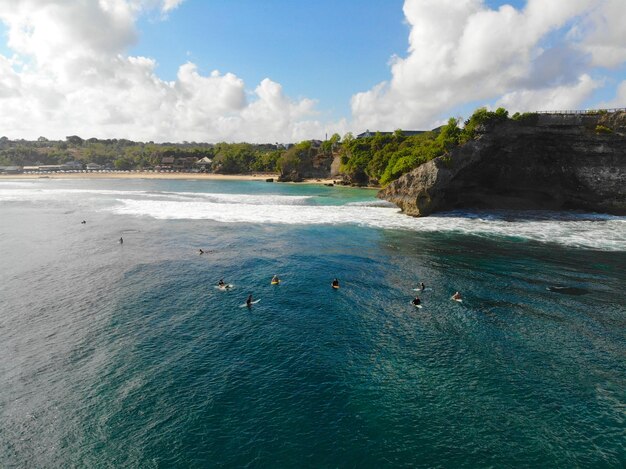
(583, 112)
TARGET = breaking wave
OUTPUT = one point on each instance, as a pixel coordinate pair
(577, 230)
(591, 231)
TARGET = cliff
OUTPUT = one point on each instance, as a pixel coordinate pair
(306, 161)
(551, 161)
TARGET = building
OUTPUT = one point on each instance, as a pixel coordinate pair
(93, 167)
(72, 166)
(204, 164)
(50, 167)
(406, 133)
(11, 170)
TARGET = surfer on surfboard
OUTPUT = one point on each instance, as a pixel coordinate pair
(457, 296)
(335, 284)
(416, 301)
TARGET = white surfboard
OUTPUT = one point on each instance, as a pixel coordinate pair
(252, 303)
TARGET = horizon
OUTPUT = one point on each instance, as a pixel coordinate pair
(171, 71)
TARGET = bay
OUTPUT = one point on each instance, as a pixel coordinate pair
(127, 355)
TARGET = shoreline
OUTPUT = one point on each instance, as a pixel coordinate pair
(174, 176)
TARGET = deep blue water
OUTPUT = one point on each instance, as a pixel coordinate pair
(125, 355)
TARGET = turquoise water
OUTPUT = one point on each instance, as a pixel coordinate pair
(127, 356)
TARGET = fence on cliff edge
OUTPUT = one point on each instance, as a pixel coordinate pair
(585, 111)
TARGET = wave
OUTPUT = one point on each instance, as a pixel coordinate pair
(61, 194)
(372, 203)
(585, 230)
(590, 231)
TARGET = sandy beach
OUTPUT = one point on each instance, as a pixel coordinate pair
(154, 175)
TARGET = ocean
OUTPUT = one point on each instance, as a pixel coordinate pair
(127, 355)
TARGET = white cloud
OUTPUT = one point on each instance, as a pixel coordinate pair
(70, 72)
(461, 51)
(566, 97)
(170, 4)
(619, 101)
(604, 33)
(77, 79)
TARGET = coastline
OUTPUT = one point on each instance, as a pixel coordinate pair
(180, 176)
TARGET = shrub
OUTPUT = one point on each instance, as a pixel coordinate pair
(601, 129)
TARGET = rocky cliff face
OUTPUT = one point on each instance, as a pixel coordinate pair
(558, 162)
(312, 164)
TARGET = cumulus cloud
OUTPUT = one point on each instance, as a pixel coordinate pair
(556, 98)
(69, 72)
(71, 75)
(461, 51)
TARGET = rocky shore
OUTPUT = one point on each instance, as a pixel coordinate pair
(552, 161)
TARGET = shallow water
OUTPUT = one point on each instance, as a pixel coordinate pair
(126, 355)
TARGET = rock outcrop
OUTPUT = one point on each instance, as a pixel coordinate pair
(309, 164)
(555, 162)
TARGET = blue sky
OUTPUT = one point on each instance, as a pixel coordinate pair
(326, 50)
(285, 70)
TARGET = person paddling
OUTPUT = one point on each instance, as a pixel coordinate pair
(200, 251)
(249, 301)
(457, 296)
(275, 279)
(221, 283)
(422, 286)
(335, 283)
(416, 301)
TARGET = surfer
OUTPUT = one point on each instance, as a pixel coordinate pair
(275, 279)
(83, 222)
(457, 296)
(249, 301)
(335, 283)
(422, 286)
(416, 301)
(221, 283)
(121, 240)
(200, 251)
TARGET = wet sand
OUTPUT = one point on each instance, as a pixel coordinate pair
(153, 175)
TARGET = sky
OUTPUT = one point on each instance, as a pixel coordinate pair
(285, 70)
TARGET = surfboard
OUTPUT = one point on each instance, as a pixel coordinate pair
(417, 306)
(226, 287)
(252, 303)
(275, 283)
(336, 287)
(458, 301)
(425, 289)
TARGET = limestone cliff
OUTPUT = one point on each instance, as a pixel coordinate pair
(306, 161)
(556, 162)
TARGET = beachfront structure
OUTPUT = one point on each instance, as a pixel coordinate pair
(72, 166)
(204, 163)
(93, 166)
(11, 170)
(50, 167)
(406, 133)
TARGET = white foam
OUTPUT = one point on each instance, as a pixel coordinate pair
(595, 231)
(37, 194)
(580, 230)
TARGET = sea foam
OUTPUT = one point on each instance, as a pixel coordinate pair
(592, 231)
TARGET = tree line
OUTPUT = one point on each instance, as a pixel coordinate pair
(378, 159)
